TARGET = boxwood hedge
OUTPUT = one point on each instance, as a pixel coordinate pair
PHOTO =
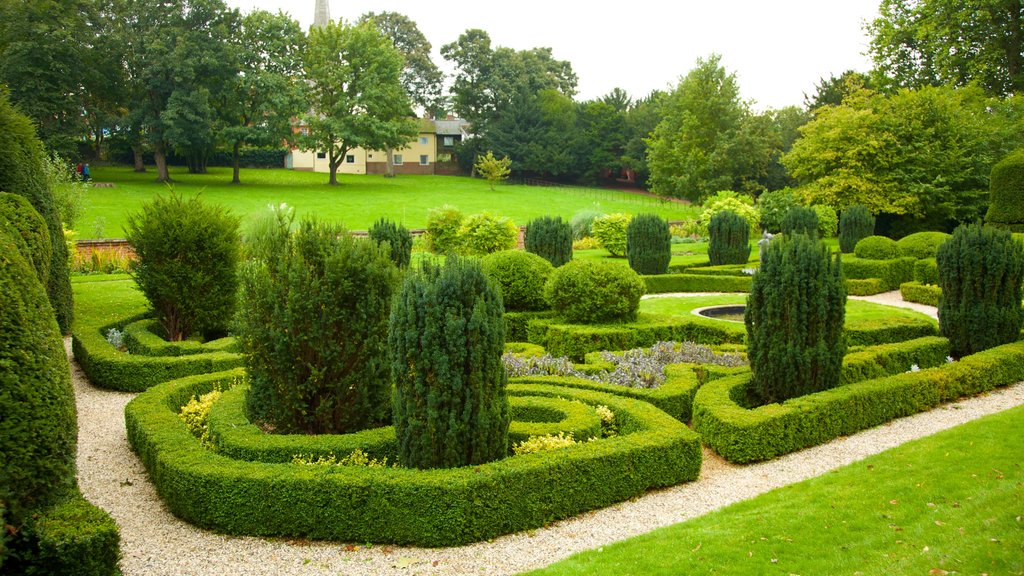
(920, 293)
(893, 272)
(692, 282)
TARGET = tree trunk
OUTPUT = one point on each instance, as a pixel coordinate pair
(137, 156)
(160, 158)
(235, 156)
(389, 171)
(332, 163)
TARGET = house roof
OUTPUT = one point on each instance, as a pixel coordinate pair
(450, 127)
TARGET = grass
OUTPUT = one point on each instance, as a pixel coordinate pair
(945, 504)
(357, 203)
(106, 298)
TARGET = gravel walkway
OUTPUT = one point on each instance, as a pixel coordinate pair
(154, 542)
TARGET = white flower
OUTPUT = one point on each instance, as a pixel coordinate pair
(949, 360)
(915, 368)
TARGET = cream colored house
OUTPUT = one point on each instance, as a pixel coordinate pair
(417, 157)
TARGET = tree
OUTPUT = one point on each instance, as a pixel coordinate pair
(493, 169)
(355, 92)
(641, 120)
(832, 91)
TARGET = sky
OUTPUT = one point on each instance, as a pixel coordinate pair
(778, 50)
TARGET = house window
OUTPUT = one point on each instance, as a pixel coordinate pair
(321, 155)
(424, 140)
(398, 160)
(424, 160)
(350, 158)
(449, 140)
(304, 130)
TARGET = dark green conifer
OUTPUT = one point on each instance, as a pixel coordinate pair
(550, 238)
(855, 224)
(397, 237)
(648, 244)
(730, 239)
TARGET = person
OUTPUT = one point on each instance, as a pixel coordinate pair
(85, 173)
(78, 170)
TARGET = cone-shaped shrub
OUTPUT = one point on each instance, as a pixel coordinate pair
(648, 244)
(549, 238)
(855, 224)
(794, 320)
(800, 220)
(446, 337)
(730, 239)
(397, 237)
(980, 273)
(1006, 193)
(313, 317)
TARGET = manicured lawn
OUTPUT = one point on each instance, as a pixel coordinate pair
(102, 299)
(358, 202)
(947, 504)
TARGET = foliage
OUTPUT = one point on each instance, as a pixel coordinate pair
(186, 261)
(730, 239)
(313, 323)
(921, 293)
(648, 244)
(195, 414)
(1006, 193)
(835, 89)
(494, 170)
(794, 319)
(926, 271)
(446, 338)
(876, 248)
(728, 200)
(800, 220)
(855, 224)
(980, 272)
(420, 77)
(443, 225)
(582, 223)
(550, 238)
(69, 193)
(398, 238)
(535, 444)
(588, 292)
(773, 206)
(28, 231)
(610, 231)
(356, 458)
(921, 244)
(521, 277)
(485, 233)
(71, 538)
(890, 272)
(828, 220)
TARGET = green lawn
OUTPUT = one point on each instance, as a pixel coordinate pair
(357, 202)
(951, 503)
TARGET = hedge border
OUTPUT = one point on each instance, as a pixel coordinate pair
(665, 283)
(75, 538)
(892, 272)
(427, 508)
(744, 435)
(140, 338)
(865, 286)
(920, 293)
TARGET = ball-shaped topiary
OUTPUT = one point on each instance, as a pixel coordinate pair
(800, 220)
(1006, 193)
(876, 248)
(730, 239)
(855, 224)
(610, 232)
(921, 244)
(794, 319)
(980, 272)
(591, 292)
(31, 232)
(648, 244)
(521, 276)
(398, 238)
(447, 335)
(550, 238)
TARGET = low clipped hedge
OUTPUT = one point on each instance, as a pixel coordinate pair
(517, 324)
(921, 293)
(441, 507)
(722, 270)
(926, 271)
(74, 538)
(892, 272)
(865, 286)
(696, 282)
(749, 435)
(143, 338)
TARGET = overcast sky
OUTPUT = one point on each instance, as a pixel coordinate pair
(778, 50)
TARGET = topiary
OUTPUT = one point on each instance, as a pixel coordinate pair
(648, 244)
(877, 248)
(610, 232)
(313, 324)
(447, 336)
(549, 238)
(397, 237)
(921, 244)
(186, 264)
(980, 273)
(772, 207)
(582, 222)
(485, 233)
(1006, 193)
(855, 224)
(31, 233)
(730, 239)
(521, 277)
(828, 220)
(591, 292)
(800, 220)
(794, 320)
(926, 271)
(443, 226)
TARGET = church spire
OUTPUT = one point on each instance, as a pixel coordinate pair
(322, 15)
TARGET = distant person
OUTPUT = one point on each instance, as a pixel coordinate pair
(78, 170)
(85, 173)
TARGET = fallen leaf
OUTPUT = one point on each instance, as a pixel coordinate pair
(750, 554)
(931, 505)
(937, 571)
(894, 502)
(775, 560)
(351, 548)
(699, 544)
(406, 562)
(940, 523)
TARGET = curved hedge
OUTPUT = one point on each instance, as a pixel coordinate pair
(143, 338)
(32, 238)
(921, 244)
(422, 507)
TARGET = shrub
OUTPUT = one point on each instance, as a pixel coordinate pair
(855, 224)
(922, 244)
(892, 272)
(589, 292)
(773, 206)
(397, 237)
(550, 238)
(313, 323)
(447, 336)
(920, 293)
(1006, 193)
(648, 244)
(980, 274)
(30, 233)
(535, 444)
(443, 226)
(582, 221)
(484, 233)
(728, 200)
(521, 277)
(800, 220)
(926, 271)
(730, 239)
(876, 248)
(828, 220)
(68, 191)
(794, 320)
(610, 232)
(186, 263)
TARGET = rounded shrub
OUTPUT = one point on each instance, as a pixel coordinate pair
(397, 237)
(447, 335)
(1006, 193)
(591, 292)
(855, 224)
(30, 232)
(610, 232)
(582, 223)
(648, 244)
(550, 238)
(485, 233)
(828, 220)
(443, 226)
(187, 254)
(729, 200)
(921, 244)
(980, 272)
(794, 320)
(730, 239)
(521, 277)
(313, 324)
(800, 220)
(773, 206)
(876, 248)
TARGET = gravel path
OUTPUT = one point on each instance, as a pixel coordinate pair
(154, 542)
